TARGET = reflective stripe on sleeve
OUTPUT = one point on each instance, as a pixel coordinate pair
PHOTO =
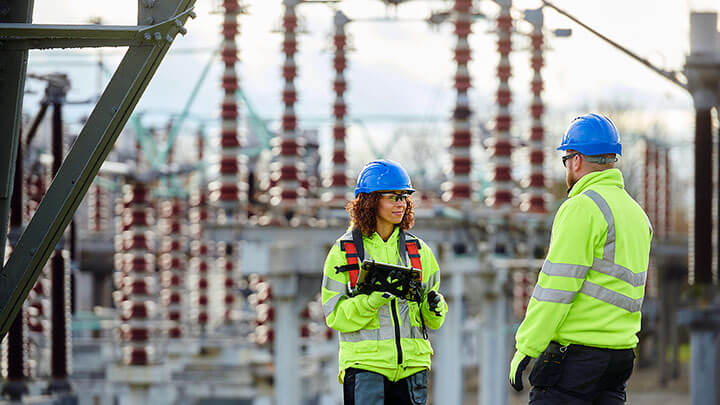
(333, 285)
(611, 297)
(330, 305)
(564, 269)
(553, 295)
(619, 272)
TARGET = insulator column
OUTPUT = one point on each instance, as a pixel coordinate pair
(60, 351)
(136, 280)
(459, 187)
(229, 191)
(98, 208)
(535, 199)
(337, 181)
(15, 346)
(173, 263)
(501, 195)
(200, 250)
(288, 145)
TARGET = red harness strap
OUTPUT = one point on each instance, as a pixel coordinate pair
(413, 249)
(352, 260)
(353, 257)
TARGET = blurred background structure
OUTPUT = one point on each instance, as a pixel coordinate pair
(178, 258)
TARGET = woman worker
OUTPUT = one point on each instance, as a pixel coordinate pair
(384, 348)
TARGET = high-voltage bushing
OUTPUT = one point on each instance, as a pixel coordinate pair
(459, 187)
(136, 280)
(287, 186)
(148, 44)
(501, 194)
(337, 181)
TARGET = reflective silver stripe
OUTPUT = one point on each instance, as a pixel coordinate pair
(386, 330)
(609, 249)
(620, 272)
(564, 269)
(553, 295)
(364, 334)
(386, 322)
(611, 297)
(330, 305)
(404, 315)
(333, 285)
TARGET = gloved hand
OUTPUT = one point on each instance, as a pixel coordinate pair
(517, 366)
(377, 299)
(435, 300)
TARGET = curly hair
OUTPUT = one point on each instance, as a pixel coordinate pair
(364, 208)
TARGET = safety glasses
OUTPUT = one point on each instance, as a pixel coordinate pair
(570, 156)
(395, 196)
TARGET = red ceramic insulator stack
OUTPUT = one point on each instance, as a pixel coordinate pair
(524, 283)
(200, 251)
(535, 199)
(287, 176)
(172, 263)
(98, 208)
(136, 282)
(501, 195)
(459, 187)
(226, 265)
(39, 297)
(228, 192)
(337, 180)
(261, 301)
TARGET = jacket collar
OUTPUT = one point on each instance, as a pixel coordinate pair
(376, 239)
(609, 177)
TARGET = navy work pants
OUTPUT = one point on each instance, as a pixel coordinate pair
(362, 387)
(585, 376)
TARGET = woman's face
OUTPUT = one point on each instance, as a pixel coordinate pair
(389, 210)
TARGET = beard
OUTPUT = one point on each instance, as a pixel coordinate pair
(570, 180)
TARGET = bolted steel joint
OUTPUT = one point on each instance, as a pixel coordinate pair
(147, 36)
(183, 30)
(192, 14)
(168, 38)
(158, 36)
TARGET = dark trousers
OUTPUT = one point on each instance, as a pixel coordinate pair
(362, 387)
(585, 376)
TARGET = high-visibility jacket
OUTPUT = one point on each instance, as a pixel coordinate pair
(591, 287)
(389, 340)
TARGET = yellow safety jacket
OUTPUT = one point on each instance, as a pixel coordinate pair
(591, 287)
(389, 340)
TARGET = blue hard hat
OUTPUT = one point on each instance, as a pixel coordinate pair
(592, 134)
(380, 175)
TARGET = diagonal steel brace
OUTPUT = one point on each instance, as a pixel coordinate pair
(78, 171)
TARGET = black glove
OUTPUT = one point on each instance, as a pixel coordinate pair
(517, 366)
(434, 299)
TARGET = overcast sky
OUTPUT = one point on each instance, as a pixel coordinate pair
(405, 67)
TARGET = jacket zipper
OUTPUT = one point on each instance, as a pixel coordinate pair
(397, 330)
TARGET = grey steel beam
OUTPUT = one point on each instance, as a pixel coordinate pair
(18, 36)
(82, 164)
(13, 66)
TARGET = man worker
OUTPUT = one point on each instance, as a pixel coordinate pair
(584, 314)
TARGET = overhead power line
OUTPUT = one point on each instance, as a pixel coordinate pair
(673, 76)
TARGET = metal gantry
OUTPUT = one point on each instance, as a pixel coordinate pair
(159, 22)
